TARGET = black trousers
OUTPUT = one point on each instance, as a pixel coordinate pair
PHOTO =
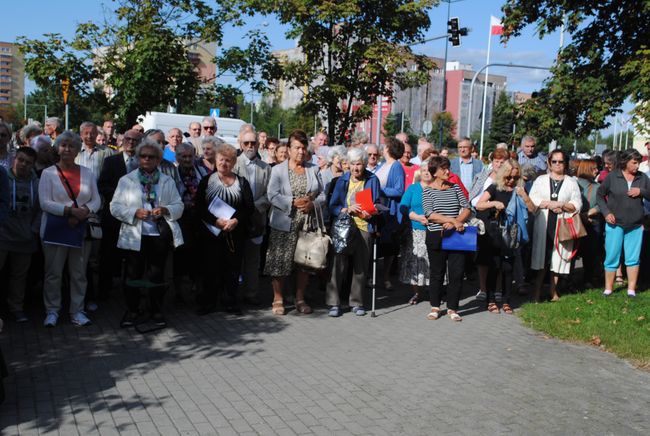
(223, 259)
(110, 258)
(506, 266)
(439, 262)
(147, 264)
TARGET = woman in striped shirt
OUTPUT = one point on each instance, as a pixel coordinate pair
(446, 208)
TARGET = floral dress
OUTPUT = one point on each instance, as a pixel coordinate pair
(282, 245)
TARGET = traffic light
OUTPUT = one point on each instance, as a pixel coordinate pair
(455, 31)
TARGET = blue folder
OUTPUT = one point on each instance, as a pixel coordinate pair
(59, 232)
(456, 241)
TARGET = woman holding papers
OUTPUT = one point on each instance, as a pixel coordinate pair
(446, 208)
(294, 187)
(347, 199)
(147, 203)
(67, 193)
(224, 202)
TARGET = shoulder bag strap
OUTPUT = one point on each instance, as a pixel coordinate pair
(67, 186)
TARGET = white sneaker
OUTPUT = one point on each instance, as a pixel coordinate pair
(80, 319)
(51, 319)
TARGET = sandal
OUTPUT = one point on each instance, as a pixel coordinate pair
(302, 307)
(434, 314)
(415, 299)
(277, 308)
(493, 308)
(507, 309)
(454, 316)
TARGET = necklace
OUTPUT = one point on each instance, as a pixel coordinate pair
(556, 188)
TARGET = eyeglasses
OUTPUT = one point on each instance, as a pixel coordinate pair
(515, 178)
(209, 127)
(148, 156)
(196, 128)
(373, 154)
(249, 142)
(557, 162)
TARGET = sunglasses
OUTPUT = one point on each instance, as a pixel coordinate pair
(557, 161)
(208, 128)
(373, 154)
(148, 156)
(515, 178)
(249, 142)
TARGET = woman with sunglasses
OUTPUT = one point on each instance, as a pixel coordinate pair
(492, 208)
(148, 205)
(555, 195)
(620, 198)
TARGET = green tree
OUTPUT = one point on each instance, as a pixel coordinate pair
(393, 124)
(593, 74)
(446, 121)
(503, 118)
(352, 52)
(269, 116)
(139, 54)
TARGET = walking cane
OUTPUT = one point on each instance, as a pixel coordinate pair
(374, 275)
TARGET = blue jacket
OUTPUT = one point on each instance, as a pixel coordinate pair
(337, 202)
(392, 193)
(412, 202)
(517, 212)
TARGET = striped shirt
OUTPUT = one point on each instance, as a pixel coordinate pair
(93, 159)
(448, 202)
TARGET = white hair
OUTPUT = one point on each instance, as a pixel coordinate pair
(358, 154)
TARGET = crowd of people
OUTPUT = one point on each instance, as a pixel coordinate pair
(186, 209)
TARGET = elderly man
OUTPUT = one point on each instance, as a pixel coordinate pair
(209, 126)
(195, 137)
(53, 127)
(423, 146)
(257, 173)
(465, 165)
(402, 136)
(373, 158)
(91, 155)
(113, 169)
(529, 156)
(109, 133)
(174, 137)
(319, 154)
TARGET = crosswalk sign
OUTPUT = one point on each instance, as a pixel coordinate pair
(214, 112)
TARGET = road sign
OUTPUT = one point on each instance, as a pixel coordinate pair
(214, 112)
(427, 127)
(65, 86)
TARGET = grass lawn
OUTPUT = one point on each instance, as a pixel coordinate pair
(616, 323)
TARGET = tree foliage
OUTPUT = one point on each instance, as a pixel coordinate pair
(139, 53)
(596, 72)
(269, 116)
(503, 118)
(352, 51)
(445, 121)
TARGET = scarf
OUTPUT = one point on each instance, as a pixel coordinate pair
(148, 181)
(191, 183)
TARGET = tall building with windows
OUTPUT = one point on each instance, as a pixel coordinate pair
(12, 75)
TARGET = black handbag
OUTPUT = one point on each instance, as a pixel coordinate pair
(343, 233)
(502, 235)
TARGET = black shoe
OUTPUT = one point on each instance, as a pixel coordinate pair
(201, 311)
(234, 309)
(129, 319)
(159, 320)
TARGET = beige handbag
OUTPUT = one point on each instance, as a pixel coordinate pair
(312, 246)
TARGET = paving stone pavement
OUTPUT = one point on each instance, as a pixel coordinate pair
(397, 373)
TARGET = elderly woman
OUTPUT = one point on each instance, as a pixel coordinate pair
(66, 190)
(224, 202)
(148, 205)
(281, 153)
(620, 198)
(414, 261)
(446, 208)
(294, 187)
(164, 166)
(28, 132)
(491, 206)
(480, 184)
(186, 255)
(391, 179)
(591, 246)
(268, 154)
(334, 165)
(344, 202)
(206, 164)
(554, 195)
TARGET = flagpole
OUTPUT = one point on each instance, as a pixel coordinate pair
(485, 83)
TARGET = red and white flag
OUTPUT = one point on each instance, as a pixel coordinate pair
(496, 28)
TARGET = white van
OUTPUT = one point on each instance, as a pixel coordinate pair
(227, 128)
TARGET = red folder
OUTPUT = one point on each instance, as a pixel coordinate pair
(364, 199)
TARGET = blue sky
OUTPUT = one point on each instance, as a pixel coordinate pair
(32, 18)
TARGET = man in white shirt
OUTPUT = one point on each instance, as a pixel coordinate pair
(423, 146)
(257, 173)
